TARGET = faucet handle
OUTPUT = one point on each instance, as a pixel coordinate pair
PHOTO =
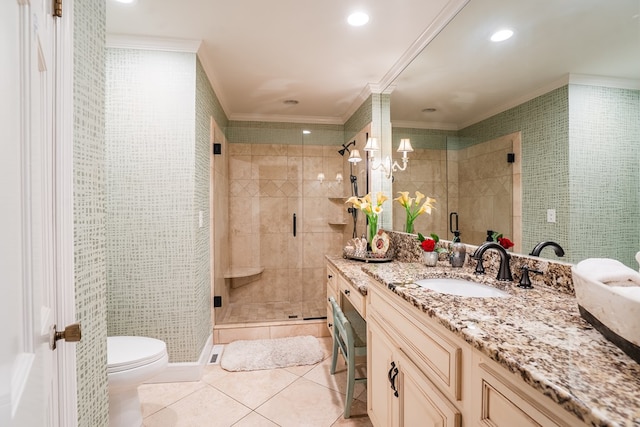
(525, 282)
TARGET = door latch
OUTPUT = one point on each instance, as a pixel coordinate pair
(72, 333)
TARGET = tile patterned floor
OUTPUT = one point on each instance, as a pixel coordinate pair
(297, 396)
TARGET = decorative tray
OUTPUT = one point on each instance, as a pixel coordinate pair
(368, 258)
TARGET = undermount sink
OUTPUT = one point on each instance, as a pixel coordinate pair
(461, 287)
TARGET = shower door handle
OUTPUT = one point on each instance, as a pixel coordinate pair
(294, 225)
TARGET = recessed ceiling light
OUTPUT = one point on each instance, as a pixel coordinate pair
(306, 132)
(358, 19)
(291, 102)
(125, 1)
(501, 35)
(429, 110)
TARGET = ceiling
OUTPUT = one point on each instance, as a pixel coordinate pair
(260, 54)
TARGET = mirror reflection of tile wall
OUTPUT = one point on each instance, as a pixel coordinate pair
(485, 188)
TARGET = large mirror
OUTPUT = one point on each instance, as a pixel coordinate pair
(562, 94)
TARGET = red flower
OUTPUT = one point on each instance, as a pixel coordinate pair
(428, 245)
(505, 243)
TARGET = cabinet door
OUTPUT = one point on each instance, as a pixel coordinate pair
(420, 403)
(380, 396)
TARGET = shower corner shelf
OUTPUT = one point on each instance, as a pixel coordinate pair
(240, 272)
(339, 199)
(338, 224)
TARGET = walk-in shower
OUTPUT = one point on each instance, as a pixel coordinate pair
(280, 178)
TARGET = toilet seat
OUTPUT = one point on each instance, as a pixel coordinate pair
(125, 353)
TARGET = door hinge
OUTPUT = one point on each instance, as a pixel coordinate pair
(57, 8)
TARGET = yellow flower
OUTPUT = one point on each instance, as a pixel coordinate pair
(403, 199)
(381, 198)
(411, 204)
(427, 206)
(372, 211)
(355, 201)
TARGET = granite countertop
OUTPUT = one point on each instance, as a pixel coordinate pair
(536, 333)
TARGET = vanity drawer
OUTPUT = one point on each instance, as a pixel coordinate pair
(503, 403)
(354, 296)
(437, 356)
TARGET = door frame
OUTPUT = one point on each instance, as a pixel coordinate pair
(64, 141)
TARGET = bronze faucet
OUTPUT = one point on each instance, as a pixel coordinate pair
(556, 247)
(504, 273)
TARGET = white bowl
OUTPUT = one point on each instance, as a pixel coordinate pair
(612, 308)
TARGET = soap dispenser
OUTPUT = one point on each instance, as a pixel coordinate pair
(458, 251)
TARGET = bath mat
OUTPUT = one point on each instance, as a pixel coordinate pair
(271, 353)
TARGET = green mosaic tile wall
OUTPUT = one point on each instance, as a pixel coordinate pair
(207, 105)
(89, 29)
(358, 120)
(604, 131)
(157, 182)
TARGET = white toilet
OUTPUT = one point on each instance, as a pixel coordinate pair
(130, 362)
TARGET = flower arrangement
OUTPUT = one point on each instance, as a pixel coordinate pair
(413, 208)
(430, 251)
(428, 244)
(371, 210)
(503, 241)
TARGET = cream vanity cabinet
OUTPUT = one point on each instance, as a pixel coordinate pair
(345, 294)
(421, 374)
(405, 361)
(332, 291)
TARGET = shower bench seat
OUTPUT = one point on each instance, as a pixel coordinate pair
(240, 276)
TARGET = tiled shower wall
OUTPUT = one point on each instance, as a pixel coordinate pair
(273, 173)
(485, 189)
(89, 211)
(157, 183)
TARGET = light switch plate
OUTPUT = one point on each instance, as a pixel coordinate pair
(551, 215)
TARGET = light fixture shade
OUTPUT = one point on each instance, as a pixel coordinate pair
(339, 177)
(320, 177)
(354, 157)
(405, 146)
(372, 145)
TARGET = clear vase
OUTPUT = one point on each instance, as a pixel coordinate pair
(372, 229)
(430, 259)
(408, 227)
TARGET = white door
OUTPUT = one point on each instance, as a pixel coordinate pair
(29, 215)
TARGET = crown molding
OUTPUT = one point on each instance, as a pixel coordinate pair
(451, 9)
(423, 125)
(286, 119)
(127, 41)
(563, 81)
(579, 79)
(613, 82)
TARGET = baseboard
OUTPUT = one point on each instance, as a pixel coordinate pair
(185, 371)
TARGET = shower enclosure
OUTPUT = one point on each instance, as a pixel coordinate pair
(286, 212)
